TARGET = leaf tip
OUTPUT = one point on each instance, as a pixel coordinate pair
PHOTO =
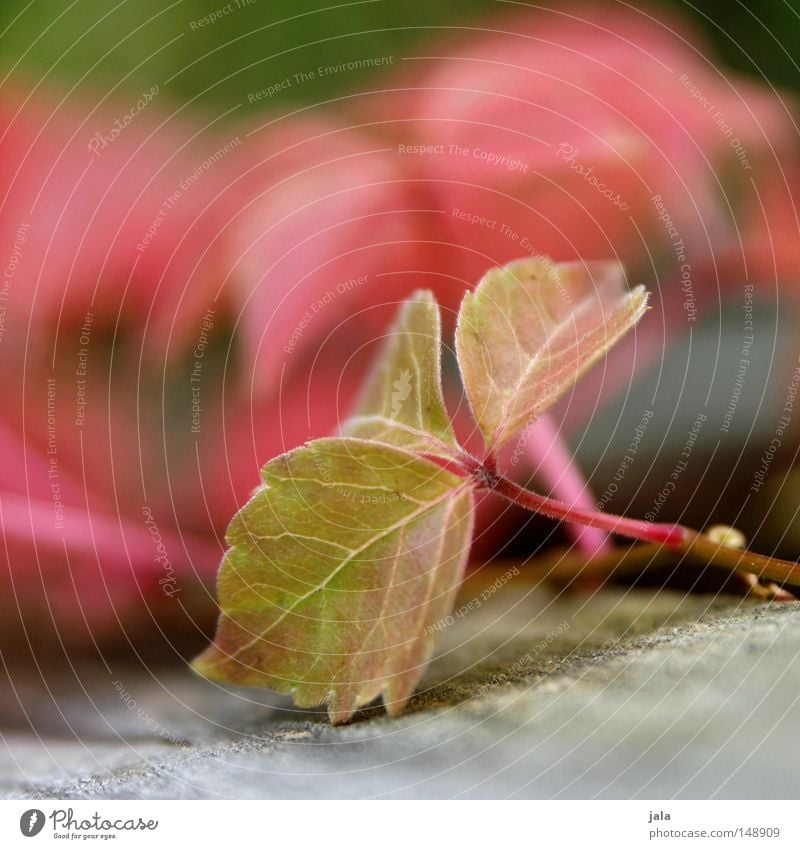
(340, 716)
(425, 295)
(205, 664)
(395, 706)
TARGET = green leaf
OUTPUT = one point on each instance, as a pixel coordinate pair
(347, 558)
(531, 329)
(402, 400)
(339, 565)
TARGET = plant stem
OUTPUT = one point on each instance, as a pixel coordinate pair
(674, 536)
(677, 538)
(569, 568)
(700, 547)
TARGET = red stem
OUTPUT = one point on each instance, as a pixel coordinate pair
(672, 535)
(682, 540)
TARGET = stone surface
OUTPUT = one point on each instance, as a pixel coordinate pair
(618, 694)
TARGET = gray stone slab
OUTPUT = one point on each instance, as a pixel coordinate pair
(619, 694)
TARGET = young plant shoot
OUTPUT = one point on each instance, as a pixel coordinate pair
(354, 547)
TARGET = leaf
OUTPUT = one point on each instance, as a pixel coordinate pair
(531, 329)
(402, 401)
(339, 565)
(344, 562)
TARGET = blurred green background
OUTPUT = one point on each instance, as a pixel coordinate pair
(131, 45)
